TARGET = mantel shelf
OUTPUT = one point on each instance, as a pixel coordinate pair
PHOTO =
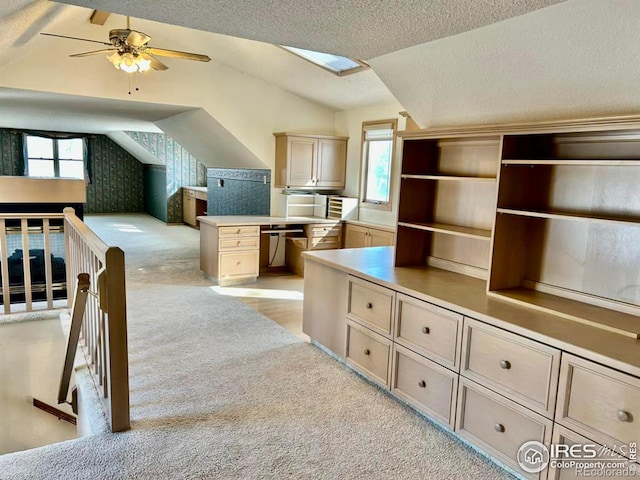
(571, 162)
(457, 178)
(580, 217)
(447, 229)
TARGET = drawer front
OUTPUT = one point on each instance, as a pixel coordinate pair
(524, 370)
(429, 330)
(368, 352)
(371, 305)
(322, 230)
(240, 231)
(564, 436)
(318, 243)
(240, 264)
(424, 384)
(598, 402)
(249, 243)
(498, 425)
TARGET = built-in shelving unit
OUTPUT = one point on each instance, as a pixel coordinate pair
(549, 216)
(447, 203)
(342, 208)
(302, 205)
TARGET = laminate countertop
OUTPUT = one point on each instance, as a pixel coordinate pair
(236, 220)
(467, 296)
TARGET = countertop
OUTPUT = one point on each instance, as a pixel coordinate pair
(467, 295)
(235, 220)
(197, 189)
(379, 226)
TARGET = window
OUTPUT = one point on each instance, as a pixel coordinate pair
(55, 157)
(334, 63)
(378, 141)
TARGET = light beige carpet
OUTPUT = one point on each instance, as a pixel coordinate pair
(219, 391)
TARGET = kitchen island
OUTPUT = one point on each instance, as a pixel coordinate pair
(234, 248)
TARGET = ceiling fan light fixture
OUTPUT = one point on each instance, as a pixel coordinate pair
(128, 62)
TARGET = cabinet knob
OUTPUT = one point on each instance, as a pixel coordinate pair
(367, 351)
(505, 364)
(369, 305)
(238, 262)
(425, 330)
(422, 384)
(498, 427)
(623, 416)
(238, 231)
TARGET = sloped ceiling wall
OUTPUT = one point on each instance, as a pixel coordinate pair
(576, 59)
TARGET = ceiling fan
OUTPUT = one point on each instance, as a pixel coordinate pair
(129, 51)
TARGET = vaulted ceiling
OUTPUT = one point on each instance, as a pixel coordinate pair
(445, 61)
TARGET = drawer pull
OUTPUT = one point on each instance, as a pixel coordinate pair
(623, 416)
(369, 305)
(425, 330)
(238, 262)
(505, 364)
(498, 427)
(367, 351)
(422, 384)
(239, 230)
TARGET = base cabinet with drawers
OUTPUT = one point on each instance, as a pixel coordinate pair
(494, 388)
(237, 256)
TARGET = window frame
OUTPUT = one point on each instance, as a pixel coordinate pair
(364, 165)
(56, 156)
(362, 65)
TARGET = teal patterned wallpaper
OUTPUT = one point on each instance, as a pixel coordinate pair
(117, 178)
(183, 169)
(10, 152)
(117, 184)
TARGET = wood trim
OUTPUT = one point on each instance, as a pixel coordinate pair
(5, 267)
(561, 126)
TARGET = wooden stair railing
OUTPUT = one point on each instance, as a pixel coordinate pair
(77, 314)
(103, 331)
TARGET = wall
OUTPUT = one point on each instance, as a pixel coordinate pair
(155, 191)
(10, 153)
(349, 123)
(182, 169)
(117, 177)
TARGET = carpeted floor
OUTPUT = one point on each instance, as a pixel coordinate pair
(219, 391)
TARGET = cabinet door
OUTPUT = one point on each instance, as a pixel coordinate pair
(301, 161)
(380, 238)
(355, 236)
(189, 209)
(332, 163)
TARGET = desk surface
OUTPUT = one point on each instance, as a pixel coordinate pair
(235, 220)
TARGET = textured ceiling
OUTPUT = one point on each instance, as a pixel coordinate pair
(574, 60)
(361, 29)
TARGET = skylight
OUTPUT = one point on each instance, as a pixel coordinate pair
(334, 63)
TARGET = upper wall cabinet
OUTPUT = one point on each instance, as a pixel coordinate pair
(310, 161)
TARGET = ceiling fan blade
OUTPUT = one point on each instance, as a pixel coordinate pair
(137, 39)
(161, 52)
(76, 38)
(155, 63)
(95, 52)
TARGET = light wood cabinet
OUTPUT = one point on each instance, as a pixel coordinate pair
(357, 236)
(194, 204)
(310, 161)
(230, 255)
(369, 352)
